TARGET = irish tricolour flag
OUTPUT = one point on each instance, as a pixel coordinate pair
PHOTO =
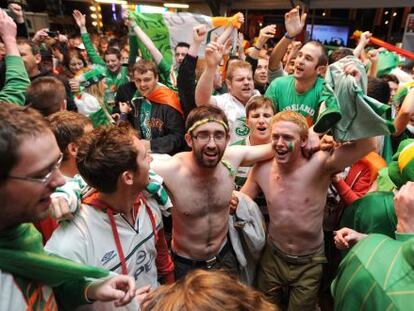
(167, 29)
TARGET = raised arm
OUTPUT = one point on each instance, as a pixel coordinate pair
(186, 83)
(92, 54)
(348, 153)
(363, 41)
(17, 80)
(294, 23)
(18, 15)
(213, 55)
(264, 35)
(150, 46)
(403, 116)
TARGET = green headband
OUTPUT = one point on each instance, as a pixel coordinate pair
(207, 120)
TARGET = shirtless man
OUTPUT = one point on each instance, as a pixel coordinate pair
(295, 189)
(201, 183)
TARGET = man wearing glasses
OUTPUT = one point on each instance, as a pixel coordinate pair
(201, 183)
(29, 174)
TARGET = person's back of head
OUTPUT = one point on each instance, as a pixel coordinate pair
(47, 95)
(379, 90)
(206, 291)
(338, 54)
(104, 154)
(68, 128)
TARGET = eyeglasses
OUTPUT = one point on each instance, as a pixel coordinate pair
(45, 179)
(206, 137)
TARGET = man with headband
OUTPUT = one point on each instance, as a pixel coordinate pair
(295, 188)
(201, 183)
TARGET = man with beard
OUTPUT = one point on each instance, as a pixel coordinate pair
(201, 183)
(295, 189)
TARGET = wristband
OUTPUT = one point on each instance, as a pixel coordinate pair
(288, 37)
(255, 47)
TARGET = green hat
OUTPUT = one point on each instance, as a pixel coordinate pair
(387, 61)
(401, 169)
(93, 76)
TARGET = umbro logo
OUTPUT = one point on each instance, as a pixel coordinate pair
(108, 256)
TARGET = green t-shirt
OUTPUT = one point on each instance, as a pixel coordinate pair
(283, 93)
(377, 274)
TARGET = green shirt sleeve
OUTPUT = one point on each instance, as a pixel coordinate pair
(17, 81)
(164, 68)
(271, 94)
(133, 48)
(92, 54)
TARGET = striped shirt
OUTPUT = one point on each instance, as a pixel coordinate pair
(377, 274)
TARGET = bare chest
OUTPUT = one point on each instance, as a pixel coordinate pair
(199, 196)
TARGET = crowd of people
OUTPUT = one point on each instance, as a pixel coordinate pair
(248, 177)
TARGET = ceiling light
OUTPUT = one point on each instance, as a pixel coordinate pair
(112, 1)
(176, 5)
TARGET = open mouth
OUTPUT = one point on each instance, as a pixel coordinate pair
(280, 154)
(261, 129)
(210, 155)
(299, 69)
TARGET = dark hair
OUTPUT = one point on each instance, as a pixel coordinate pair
(68, 127)
(257, 102)
(144, 65)
(33, 46)
(182, 45)
(205, 112)
(46, 94)
(390, 78)
(379, 89)
(323, 58)
(113, 51)
(16, 124)
(338, 54)
(106, 153)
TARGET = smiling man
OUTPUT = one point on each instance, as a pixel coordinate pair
(200, 184)
(295, 189)
(155, 110)
(302, 90)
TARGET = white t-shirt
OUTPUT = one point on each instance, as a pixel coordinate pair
(236, 114)
(88, 239)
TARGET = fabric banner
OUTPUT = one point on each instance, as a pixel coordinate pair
(167, 29)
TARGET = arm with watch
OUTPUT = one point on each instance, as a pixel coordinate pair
(294, 23)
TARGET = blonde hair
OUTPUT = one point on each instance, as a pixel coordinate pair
(206, 291)
(294, 117)
(237, 64)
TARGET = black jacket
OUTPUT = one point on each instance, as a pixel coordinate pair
(167, 124)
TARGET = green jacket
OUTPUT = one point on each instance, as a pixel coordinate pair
(17, 81)
(377, 274)
(22, 255)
